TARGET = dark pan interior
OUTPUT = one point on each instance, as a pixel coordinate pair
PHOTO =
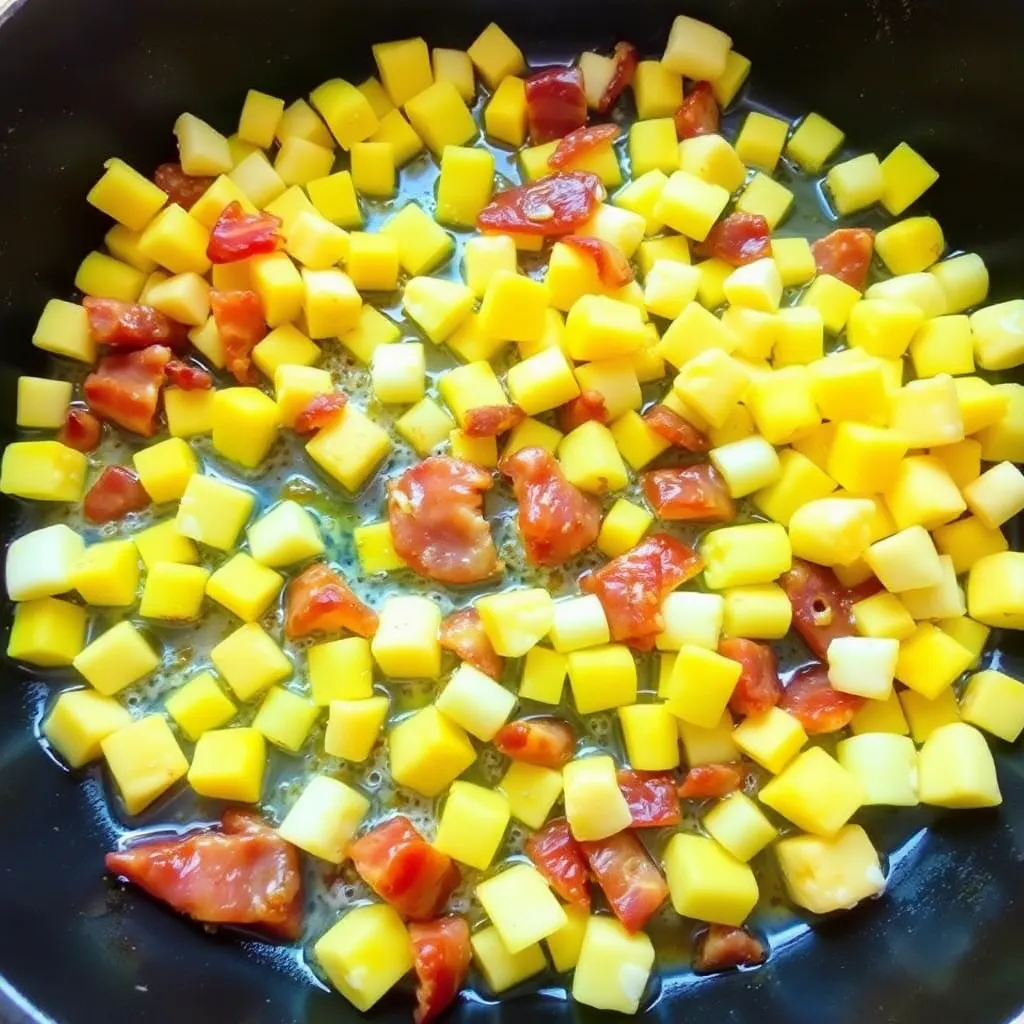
(81, 80)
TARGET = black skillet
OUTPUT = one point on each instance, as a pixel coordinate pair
(81, 80)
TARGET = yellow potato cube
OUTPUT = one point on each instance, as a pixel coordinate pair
(998, 333)
(995, 590)
(831, 531)
(613, 966)
(578, 622)
(701, 684)
(42, 403)
(746, 465)
(500, 968)
(755, 330)
(373, 169)
(425, 425)
(173, 591)
(284, 346)
(280, 287)
(437, 306)
(617, 383)
(324, 819)
(472, 824)
(623, 526)
(994, 701)
(79, 721)
(200, 705)
(163, 543)
(689, 205)
(701, 746)
(833, 298)
(300, 119)
(487, 255)
(799, 335)
(711, 383)
(285, 718)
(906, 176)
(885, 765)
(883, 327)
(657, 90)
(539, 383)
(966, 632)
(800, 481)
(1000, 410)
(346, 110)
(651, 736)
(590, 459)
(814, 792)
(771, 739)
(670, 287)
(600, 327)
(126, 196)
(836, 873)
(516, 620)
(505, 115)
(299, 161)
(927, 412)
(365, 954)
(761, 139)
(372, 262)
(315, 242)
(738, 824)
(601, 160)
(245, 425)
(464, 188)
(690, 619)
(855, 184)
(923, 493)
(375, 548)
(377, 96)
(532, 433)
(295, 387)
(47, 632)
(761, 612)
(653, 145)
(713, 160)
(397, 133)
(641, 196)
(755, 285)
(494, 56)
(469, 387)
(943, 600)
(997, 495)
(707, 883)
(765, 196)
(145, 761)
(117, 658)
(944, 344)
(883, 615)
(422, 244)
(340, 670)
(456, 67)
(250, 661)
(177, 241)
(570, 275)
(405, 645)
(565, 944)
(201, 148)
(244, 586)
(738, 556)
(259, 119)
(476, 702)
(543, 675)
(783, 404)
(440, 116)
(42, 563)
(795, 263)
(905, 561)
(957, 770)
(331, 303)
(103, 277)
(164, 469)
(257, 181)
(531, 792)
(594, 806)
(350, 448)
(865, 459)
(471, 344)
(673, 248)
(930, 660)
(514, 308)
(208, 341)
(850, 386)
(863, 666)
(696, 50)
(813, 143)
(602, 678)
(404, 66)
(694, 332)
(106, 573)
(910, 246)
(398, 373)
(353, 727)
(229, 764)
(334, 197)
(881, 716)
(521, 906)
(730, 81)
(43, 471)
(925, 716)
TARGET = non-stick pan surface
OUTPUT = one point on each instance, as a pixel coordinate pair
(81, 80)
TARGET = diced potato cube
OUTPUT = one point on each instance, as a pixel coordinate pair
(500, 968)
(800, 481)
(286, 534)
(622, 527)
(701, 684)
(334, 197)
(739, 825)
(494, 56)
(602, 678)
(823, 875)
(437, 306)
(103, 277)
(747, 465)
(43, 471)
(711, 383)
(425, 425)
(145, 761)
(340, 670)
(465, 185)
(691, 619)
(670, 287)
(832, 531)
(966, 632)
(799, 330)
(78, 723)
(116, 659)
(440, 116)
(767, 197)
(783, 404)
(906, 176)
(885, 765)
(346, 110)
(578, 622)
(761, 612)
(995, 590)
(706, 746)
(813, 142)
(651, 736)
(761, 139)
(924, 716)
(375, 548)
(516, 620)
(930, 660)
(422, 244)
(855, 184)
(472, 824)
(42, 403)
(600, 160)
(521, 906)
(543, 675)
(228, 764)
(396, 132)
(696, 50)
(105, 574)
(590, 459)
(173, 592)
(285, 718)
(47, 632)
(353, 727)
(505, 114)
(372, 262)
(883, 616)
(881, 716)
(476, 702)
(177, 241)
(405, 645)
(200, 705)
(690, 205)
(398, 373)
(613, 966)
(865, 459)
(738, 556)
(863, 666)
(814, 792)
(350, 448)
(942, 600)
(531, 792)
(484, 257)
(923, 493)
(365, 954)
(594, 806)
(125, 195)
(905, 561)
(250, 661)
(755, 285)
(707, 883)
(296, 386)
(457, 68)
(244, 586)
(994, 701)
(653, 145)
(694, 332)
(41, 563)
(957, 769)
(911, 245)
(324, 819)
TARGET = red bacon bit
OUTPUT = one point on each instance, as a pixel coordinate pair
(556, 519)
(184, 189)
(674, 429)
(245, 874)
(441, 954)
(127, 325)
(846, 253)
(651, 797)
(612, 267)
(404, 869)
(579, 143)
(626, 57)
(699, 114)
(711, 780)
(125, 388)
(553, 205)
(241, 326)
(492, 420)
(320, 601)
(437, 523)
(687, 493)
(758, 687)
(81, 430)
(810, 698)
(320, 412)
(547, 742)
(116, 492)
(555, 103)
(560, 860)
(632, 586)
(588, 405)
(628, 877)
(187, 377)
(739, 239)
(463, 633)
(722, 947)
(822, 606)
(237, 235)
